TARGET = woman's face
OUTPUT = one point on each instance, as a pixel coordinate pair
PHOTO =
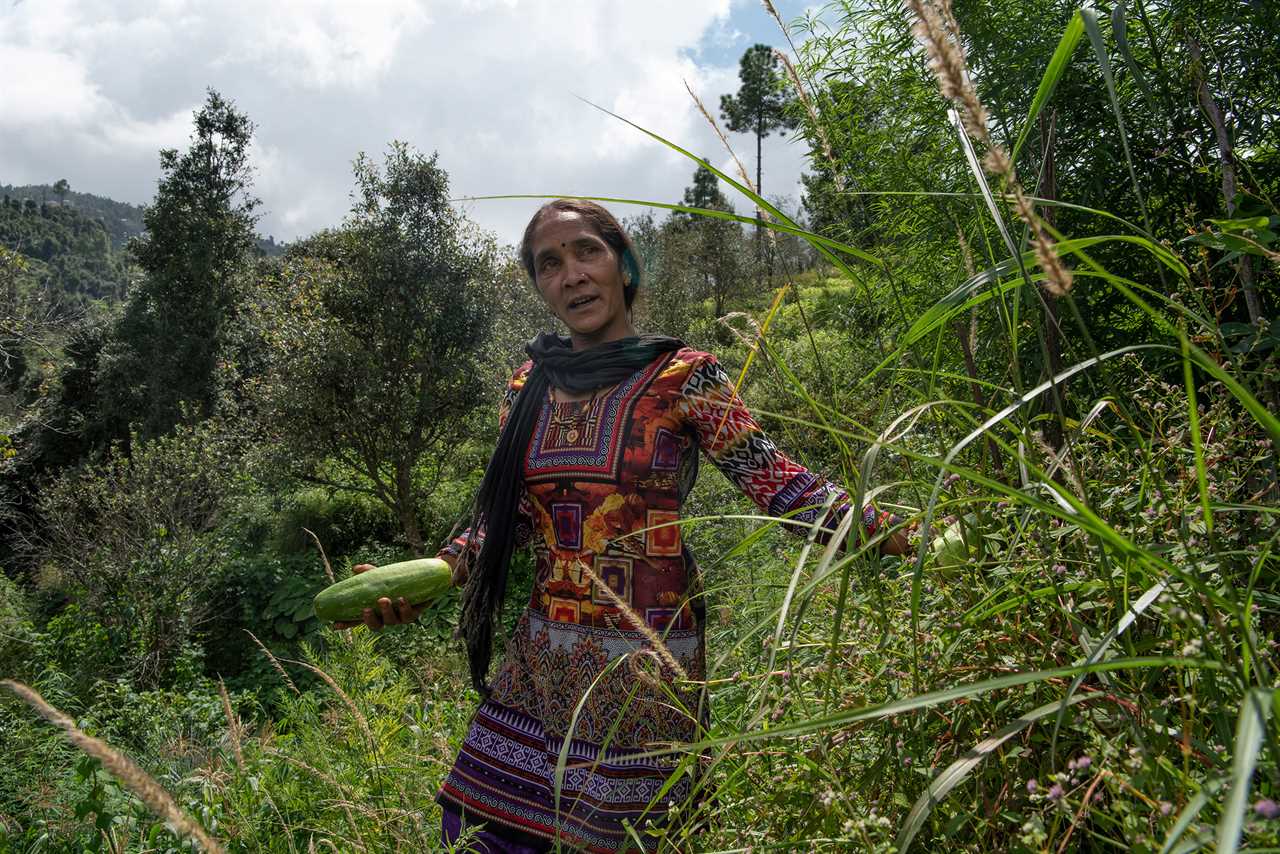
(579, 277)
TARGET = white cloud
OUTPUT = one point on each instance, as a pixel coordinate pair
(64, 96)
(493, 85)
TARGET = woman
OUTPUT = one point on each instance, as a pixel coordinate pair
(599, 447)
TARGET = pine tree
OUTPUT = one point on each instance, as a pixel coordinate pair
(760, 106)
(164, 352)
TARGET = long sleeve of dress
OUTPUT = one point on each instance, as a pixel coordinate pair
(524, 519)
(735, 443)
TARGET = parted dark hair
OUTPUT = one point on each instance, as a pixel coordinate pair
(605, 224)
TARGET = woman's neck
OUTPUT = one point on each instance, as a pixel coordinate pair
(613, 332)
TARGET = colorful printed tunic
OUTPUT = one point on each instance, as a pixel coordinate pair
(595, 472)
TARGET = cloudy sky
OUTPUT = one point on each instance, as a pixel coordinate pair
(94, 88)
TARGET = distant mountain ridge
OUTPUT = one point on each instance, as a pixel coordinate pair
(121, 219)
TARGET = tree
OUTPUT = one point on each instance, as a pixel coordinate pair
(134, 541)
(377, 332)
(60, 189)
(760, 107)
(164, 353)
(715, 245)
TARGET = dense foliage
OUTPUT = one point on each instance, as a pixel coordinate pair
(1082, 653)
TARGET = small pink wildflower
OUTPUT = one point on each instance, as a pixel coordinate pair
(1267, 808)
(1032, 786)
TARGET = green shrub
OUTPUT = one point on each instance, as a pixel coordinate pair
(344, 521)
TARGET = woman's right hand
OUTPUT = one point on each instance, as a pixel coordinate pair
(385, 612)
(457, 571)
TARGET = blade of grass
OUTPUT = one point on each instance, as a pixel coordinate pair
(1120, 30)
(1197, 444)
(787, 227)
(1052, 75)
(751, 354)
(1255, 711)
(1188, 815)
(928, 700)
(956, 772)
(1090, 18)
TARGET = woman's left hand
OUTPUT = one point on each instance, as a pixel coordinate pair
(899, 542)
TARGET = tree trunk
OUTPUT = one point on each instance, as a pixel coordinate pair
(408, 512)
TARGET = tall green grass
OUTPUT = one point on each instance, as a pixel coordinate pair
(1099, 674)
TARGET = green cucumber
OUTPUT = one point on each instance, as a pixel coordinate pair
(416, 581)
(952, 550)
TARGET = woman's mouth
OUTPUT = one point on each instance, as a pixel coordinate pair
(579, 302)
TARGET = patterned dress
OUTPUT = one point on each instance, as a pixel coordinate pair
(604, 483)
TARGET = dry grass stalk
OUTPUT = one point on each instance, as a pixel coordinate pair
(233, 724)
(1059, 460)
(328, 570)
(742, 170)
(937, 30)
(637, 621)
(121, 767)
(823, 141)
(274, 662)
(332, 781)
(750, 341)
(966, 253)
(346, 699)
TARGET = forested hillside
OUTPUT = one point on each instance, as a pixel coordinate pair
(71, 256)
(1028, 304)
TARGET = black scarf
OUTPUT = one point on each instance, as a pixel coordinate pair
(555, 363)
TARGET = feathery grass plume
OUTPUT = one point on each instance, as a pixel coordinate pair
(946, 61)
(742, 170)
(328, 570)
(774, 12)
(274, 663)
(823, 140)
(937, 30)
(966, 253)
(121, 767)
(638, 670)
(233, 724)
(1058, 278)
(1059, 460)
(641, 625)
(343, 696)
(338, 787)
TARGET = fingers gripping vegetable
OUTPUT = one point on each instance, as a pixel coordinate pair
(417, 581)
